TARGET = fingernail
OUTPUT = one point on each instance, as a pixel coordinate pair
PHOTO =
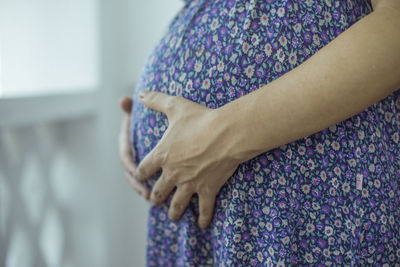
(143, 93)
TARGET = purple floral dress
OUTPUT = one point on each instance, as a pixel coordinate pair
(331, 198)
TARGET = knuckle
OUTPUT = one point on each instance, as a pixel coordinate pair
(139, 173)
(126, 152)
(155, 202)
(170, 103)
(171, 176)
(173, 215)
(206, 190)
(204, 212)
(203, 223)
(157, 195)
(203, 220)
(187, 187)
(177, 206)
(170, 179)
(133, 185)
(160, 157)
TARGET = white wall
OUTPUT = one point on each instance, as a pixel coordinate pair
(63, 197)
(147, 22)
(52, 45)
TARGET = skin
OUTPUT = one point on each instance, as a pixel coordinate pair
(202, 147)
(125, 150)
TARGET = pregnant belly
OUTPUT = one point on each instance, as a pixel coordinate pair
(217, 51)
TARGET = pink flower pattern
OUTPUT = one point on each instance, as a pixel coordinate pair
(328, 199)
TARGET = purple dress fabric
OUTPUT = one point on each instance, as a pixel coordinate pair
(331, 198)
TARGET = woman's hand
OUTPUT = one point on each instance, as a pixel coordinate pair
(125, 149)
(194, 154)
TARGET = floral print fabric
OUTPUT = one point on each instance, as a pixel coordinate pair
(331, 198)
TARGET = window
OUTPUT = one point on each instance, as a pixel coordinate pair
(48, 47)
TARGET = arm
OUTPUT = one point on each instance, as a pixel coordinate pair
(355, 70)
(305, 100)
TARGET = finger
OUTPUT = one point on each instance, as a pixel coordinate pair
(126, 157)
(125, 148)
(127, 162)
(158, 101)
(151, 163)
(161, 190)
(206, 210)
(179, 203)
(126, 104)
(138, 187)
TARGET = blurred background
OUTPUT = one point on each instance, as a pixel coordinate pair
(64, 65)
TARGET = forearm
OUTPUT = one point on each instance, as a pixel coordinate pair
(357, 69)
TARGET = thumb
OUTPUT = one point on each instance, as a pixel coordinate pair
(158, 101)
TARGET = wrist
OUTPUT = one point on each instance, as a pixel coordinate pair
(234, 126)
